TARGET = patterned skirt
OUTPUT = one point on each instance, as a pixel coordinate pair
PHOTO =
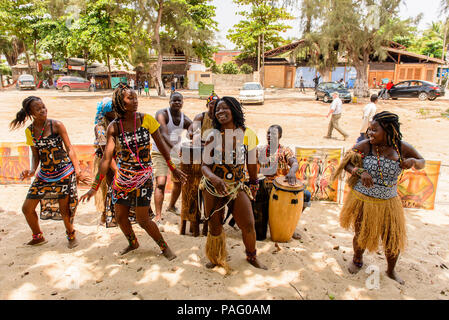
(50, 192)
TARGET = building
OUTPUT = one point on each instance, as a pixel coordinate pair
(224, 56)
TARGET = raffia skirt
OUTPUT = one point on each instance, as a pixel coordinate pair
(379, 220)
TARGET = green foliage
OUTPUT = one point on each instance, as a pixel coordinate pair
(263, 18)
(216, 68)
(230, 68)
(246, 68)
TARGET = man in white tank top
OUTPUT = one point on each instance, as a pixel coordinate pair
(173, 122)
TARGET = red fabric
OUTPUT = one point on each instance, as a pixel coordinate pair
(389, 85)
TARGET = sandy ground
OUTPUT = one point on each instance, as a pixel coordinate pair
(313, 268)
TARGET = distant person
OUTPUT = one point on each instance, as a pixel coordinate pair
(139, 87)
(176, 82)
(172, 85)
(181, 82)
(368, 113)
(131, 84)
(316, 80)
(146, 88)
(301, 85)
(92, 84)
(335, 110)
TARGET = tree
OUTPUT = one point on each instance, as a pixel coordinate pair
(182, 25)
(361, 29)
(262, 20)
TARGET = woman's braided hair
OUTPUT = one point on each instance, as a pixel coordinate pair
(118, 102)
(390, 123)
(238, 117)
(24, 113)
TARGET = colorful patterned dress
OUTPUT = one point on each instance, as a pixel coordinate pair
(56, 177)
(133, 160)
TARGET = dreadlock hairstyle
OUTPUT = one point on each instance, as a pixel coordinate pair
(390, 123)
(238, 117)
(118, 102)
(24, 113)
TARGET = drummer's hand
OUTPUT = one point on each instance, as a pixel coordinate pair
(291, 178)
(181, 176)
(89, 194)
(254, 193)
(219, 185)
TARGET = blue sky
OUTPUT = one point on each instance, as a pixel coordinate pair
(227, 16)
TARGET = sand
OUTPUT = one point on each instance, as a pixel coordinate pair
(312, 268)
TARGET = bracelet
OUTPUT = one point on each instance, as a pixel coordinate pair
(357, 171)
(97, 181)
(254, 184)
(171, 165)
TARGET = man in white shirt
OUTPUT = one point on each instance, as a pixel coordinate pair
(335, 111)
(368, 113)
(131, 83)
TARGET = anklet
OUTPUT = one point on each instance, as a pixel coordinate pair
(132, 240)
(357, 264)
(251, 256)
(162, 244)
(71, 235)
(38, 236)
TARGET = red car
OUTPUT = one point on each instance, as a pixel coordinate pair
(69, 83)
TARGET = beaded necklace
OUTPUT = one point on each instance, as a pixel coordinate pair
(135, 155)
(41, 134)
(380, 169)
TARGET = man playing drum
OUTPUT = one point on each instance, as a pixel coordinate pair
(276, 160)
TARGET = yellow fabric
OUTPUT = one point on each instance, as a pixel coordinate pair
(29, 138)
(150, 123)
(250, 139)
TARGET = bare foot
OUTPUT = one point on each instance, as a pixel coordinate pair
(210, 265)
(37, 242)
(72, 243)
(354, 268)
(168, 254)
(296, 236)
(393, 275)
(255, 263)
(129, 248)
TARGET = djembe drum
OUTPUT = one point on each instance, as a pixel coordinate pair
(285, 208)
(191, 166)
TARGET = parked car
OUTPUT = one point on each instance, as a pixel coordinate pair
(26, 81)
(423, 90)
(325, 89)
(252, 92)
(69, 83)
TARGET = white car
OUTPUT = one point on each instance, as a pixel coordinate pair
(252, 92)
(26, 81)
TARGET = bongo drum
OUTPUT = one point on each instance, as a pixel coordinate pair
(260, 210)
(191, 166)
(285, 208)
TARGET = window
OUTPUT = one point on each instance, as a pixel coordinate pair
(252, 86)
(402, 84)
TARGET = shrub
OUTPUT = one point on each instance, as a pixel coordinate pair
(246, 68)
(230, 68)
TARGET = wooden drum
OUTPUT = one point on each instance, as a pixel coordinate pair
(285, 208)
(191, 166)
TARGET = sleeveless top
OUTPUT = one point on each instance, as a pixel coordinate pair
(385, 188)
(53, 156)
(174, 131)
(142, 136)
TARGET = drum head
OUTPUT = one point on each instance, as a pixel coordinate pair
(283, 184)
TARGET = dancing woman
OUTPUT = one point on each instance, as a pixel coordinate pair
(223, 182)
(59, 168)
(373, 208)
(133, 181)
(103, 117)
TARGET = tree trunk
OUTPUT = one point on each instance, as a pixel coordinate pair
(159, 84)
(109, 71)
(361, 88)
(35, 58)
(1, 80)
(86, 54)
(28, 60)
